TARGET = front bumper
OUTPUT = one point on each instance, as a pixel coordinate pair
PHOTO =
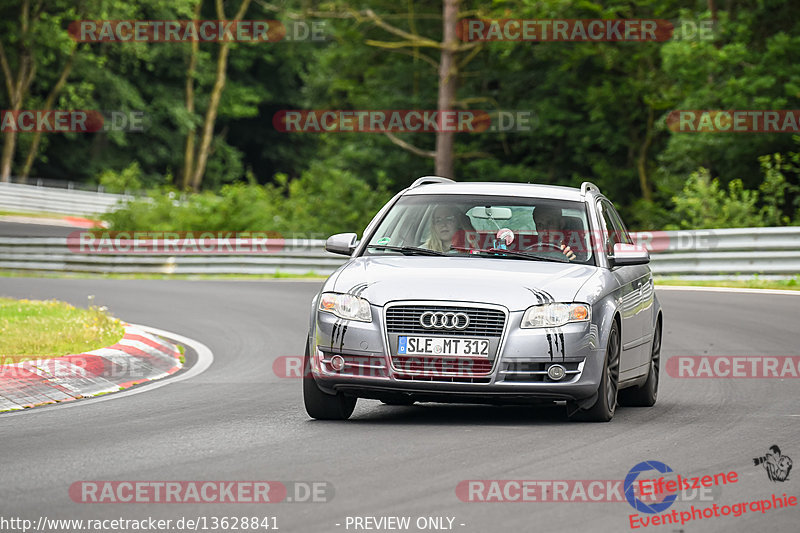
(360, 358)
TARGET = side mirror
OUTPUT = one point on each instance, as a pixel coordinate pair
(342, 243)
(629, 254)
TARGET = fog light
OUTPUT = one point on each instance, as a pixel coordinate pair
(556, 372)
(337, 362)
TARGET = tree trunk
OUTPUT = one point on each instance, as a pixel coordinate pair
(448, 72)
(48, 105)
(188, 153)
(8, 155)
(16, 94)
(213, 104)
(16, 88)
(210, 118)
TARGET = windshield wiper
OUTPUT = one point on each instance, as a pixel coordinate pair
(530, 255)
(406, 250)
(513, 253)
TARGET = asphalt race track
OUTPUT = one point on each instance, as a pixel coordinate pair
(26, 229)
(239, 421)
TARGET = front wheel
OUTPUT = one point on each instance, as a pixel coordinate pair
(321, 405)
(606, 404)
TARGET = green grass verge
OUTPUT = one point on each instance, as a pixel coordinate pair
(36, 329)
(755, 283)
(792, 284)
(40, 214)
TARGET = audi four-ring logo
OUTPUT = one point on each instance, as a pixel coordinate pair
(442, 320)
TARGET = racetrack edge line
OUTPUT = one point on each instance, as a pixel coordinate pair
(745, 290)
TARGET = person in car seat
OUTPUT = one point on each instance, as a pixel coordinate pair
(449, 228)
(555, 229)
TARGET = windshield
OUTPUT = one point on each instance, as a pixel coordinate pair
(485, 226)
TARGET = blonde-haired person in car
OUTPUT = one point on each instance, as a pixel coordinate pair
(450, 228)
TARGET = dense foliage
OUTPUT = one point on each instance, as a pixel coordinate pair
(322, 201)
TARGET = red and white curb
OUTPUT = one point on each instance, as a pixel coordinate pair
(138, 357)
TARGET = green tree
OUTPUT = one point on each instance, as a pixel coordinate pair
(750, 64)
(703, 204)
(31, 42)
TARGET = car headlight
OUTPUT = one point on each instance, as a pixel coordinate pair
(345, 306)
(555, 314)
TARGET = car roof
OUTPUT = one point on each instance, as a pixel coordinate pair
(529, 190)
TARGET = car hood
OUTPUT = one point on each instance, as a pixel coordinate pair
(509, 282)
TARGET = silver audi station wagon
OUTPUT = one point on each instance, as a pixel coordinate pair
(495, 293)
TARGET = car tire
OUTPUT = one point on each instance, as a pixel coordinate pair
(321, 405)
(606, 403)
(645, 395)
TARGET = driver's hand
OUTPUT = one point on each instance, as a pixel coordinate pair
(567, 251)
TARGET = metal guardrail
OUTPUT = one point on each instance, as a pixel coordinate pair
(57, 183)
(32, 199)
(730, 251)
(295, 256)
(746, 251)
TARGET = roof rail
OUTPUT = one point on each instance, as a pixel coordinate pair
(587, 186)
(430, 179)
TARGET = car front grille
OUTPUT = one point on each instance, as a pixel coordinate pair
(482, 322)
(486, 323)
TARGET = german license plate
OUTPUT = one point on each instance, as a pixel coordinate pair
(442, 346)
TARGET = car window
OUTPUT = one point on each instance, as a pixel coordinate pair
(454, 224)
(612, 224)
(619, 226)
(400, 225)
